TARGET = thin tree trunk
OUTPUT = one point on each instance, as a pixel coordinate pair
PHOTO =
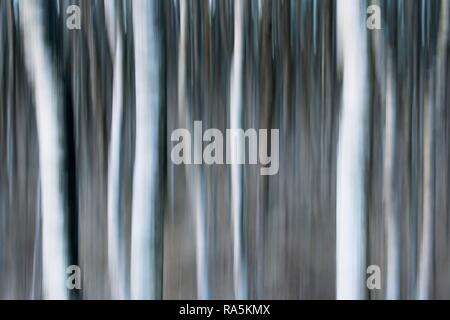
(116, 254)
(236, 110)
(193, 172)
(442, 252)
(266, 85)
(426, 247)
(390, 214)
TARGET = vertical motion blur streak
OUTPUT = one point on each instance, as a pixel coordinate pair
(350, 202)
(147, 76)
(47, 103)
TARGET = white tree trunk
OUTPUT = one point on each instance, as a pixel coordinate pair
(239, 268)
(54, 244)
(350, 206)
(116, 256)
(390, 214)
(147, 77)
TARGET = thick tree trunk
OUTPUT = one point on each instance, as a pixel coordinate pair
(48, 103)
(147, 76)
(350, 207)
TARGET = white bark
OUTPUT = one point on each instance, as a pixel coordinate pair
(110, 17)
(390, 214)
(147, 74)
(54, 244)
(239, 268)
(116, 255)
(350, 206)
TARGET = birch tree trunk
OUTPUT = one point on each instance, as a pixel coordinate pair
(350, 206)
(116, 254)
(390, 214)
(48, 103)
(147, 77)
(239, 267)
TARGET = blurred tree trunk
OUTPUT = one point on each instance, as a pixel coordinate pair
(116, 241)
(390, 214)
(426, 245)
(441, 232)
(144, 253)
(48, 103)
(350, 207)
(194, 172)
(236, 114)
